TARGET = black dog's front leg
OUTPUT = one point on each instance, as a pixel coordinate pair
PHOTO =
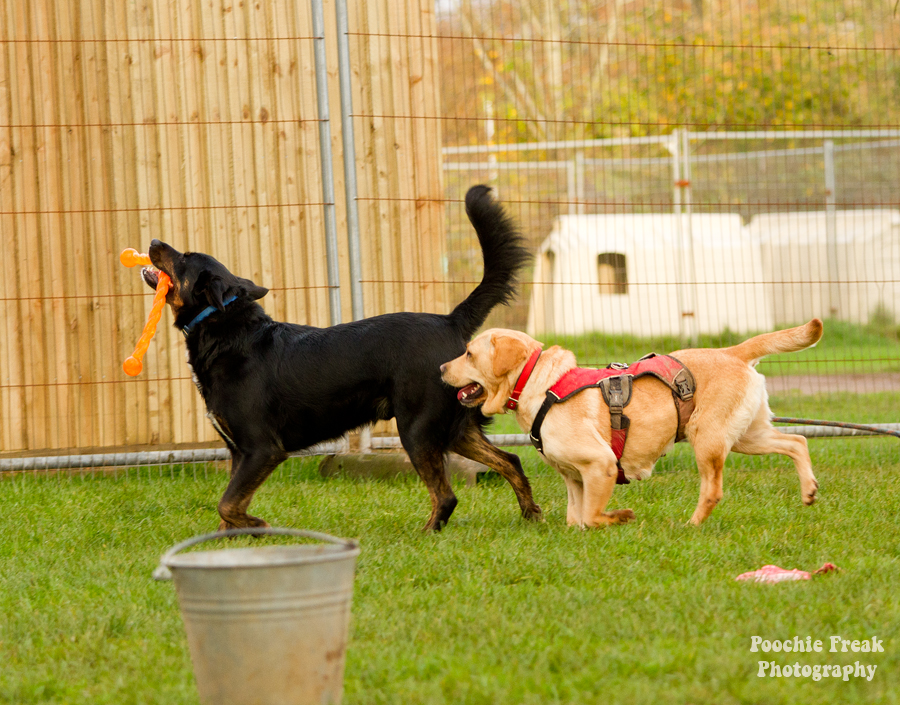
(248, 472)
(429, 464)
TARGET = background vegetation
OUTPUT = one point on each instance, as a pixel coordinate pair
(578, 69)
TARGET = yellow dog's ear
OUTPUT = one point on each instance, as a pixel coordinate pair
(509, 353)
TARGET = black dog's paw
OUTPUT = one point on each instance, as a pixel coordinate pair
(533, 514)
(249, 523)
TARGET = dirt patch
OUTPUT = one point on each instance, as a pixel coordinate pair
(821, 384)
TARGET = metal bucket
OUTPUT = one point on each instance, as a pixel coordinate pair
(266, 625)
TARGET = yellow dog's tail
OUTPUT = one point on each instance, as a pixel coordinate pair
(781, 341)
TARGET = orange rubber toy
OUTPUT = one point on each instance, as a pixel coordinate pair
(132, 258)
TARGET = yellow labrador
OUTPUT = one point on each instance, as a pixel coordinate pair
(730, 412)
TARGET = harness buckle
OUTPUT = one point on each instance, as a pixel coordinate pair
(616, 402)
(618, 421)
(616, 395)
(683, 385)
(617, 366)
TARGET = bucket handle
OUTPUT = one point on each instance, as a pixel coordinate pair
(162, 571)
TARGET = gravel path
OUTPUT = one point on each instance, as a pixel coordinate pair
(818, 384)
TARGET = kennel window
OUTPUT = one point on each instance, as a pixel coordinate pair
(611, 273)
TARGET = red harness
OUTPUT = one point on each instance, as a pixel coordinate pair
(616, 383)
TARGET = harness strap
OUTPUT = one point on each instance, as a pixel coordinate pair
(617, 393)
(535, 434)
(618, 435)
(616, 390)
(683, 394)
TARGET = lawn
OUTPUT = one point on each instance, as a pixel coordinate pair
(491, 610)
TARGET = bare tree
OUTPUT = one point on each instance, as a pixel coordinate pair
(512, 87)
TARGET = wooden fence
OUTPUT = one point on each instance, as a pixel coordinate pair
(195, 123)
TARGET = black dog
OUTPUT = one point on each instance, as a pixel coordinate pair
(271, 388)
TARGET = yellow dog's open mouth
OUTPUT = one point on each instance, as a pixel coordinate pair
(470, 393)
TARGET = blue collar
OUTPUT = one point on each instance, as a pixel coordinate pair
(205, 313)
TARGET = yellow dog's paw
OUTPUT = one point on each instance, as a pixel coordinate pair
(620, 516)
(809, 496)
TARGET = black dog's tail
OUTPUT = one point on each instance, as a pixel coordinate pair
(504, 255)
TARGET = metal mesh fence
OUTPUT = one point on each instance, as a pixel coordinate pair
(685, 175)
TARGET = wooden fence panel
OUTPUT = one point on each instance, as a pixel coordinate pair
(194, 123)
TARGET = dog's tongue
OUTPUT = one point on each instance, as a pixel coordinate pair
(469, 391)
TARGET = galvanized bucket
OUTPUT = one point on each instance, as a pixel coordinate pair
(266, 625)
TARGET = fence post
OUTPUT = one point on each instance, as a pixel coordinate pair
(683, 263)
(687, 207)
(349, 143)
(673, 146)
(350, 187)
(489, 129)
(326, 157)
(572, 186)
(580, 194)
(834, 289)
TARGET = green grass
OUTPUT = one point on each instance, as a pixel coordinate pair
(883, 407)
(844, 348)
(493, 609)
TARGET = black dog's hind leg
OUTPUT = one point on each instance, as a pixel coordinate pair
(475, 446)
(248, 472)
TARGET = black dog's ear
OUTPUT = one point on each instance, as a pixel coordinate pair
(215, 291)
(252, 290)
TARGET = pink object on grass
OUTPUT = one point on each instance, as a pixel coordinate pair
(774, 574)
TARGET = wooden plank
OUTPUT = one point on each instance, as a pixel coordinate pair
(76, 242)
(7, 234)
(95, 242)
(129, 402)
(135, 114)
(379, 162)
(405, 227)
(238, 112)
(419, 230)
(192, 90)
(425, 98)
(147, 175)
(63, 203)
(274, 237)
(218, 142)
(11, 350)
(28, 226)
(168, 363)
(313, 275)
(217, 139)
(263, 116)
(287, 243)
(360, 51)
(52, 252)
